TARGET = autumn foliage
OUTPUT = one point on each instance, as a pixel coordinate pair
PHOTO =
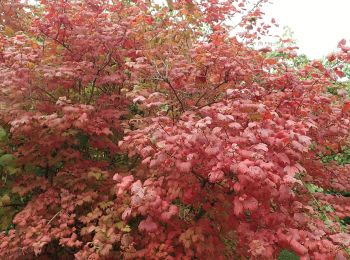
(139, 131)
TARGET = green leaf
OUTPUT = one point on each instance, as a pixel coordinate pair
(287, 255)
(312, 188)
(7, 160)
(328, 208)
(83, 140)
(3, 134)
(6, 216)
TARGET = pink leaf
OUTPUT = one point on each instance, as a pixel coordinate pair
(256, 172)
(117, 177)
(261, 146)
(283, 158)
(341, 238)
(299, 146)
(342, 42)
(291, 170)
(183, 167)
(250, 204)
(125, 184)
(148, 225)
(126, 213)
(235, 125)
(212, 150)
(216, 176)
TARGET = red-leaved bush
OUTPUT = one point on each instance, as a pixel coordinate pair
(143, 131)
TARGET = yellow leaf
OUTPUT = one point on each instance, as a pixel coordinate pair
(119, 225)
(96, 175)
(8, 31)
(126, 229)
(255, 117)
(5, 199)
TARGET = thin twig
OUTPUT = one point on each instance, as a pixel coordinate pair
(109, 55)
(175, 93)
(206, 93)
(57, 41)
(54, 217)
(249, 12)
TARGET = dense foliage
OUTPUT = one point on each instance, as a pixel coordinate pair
(138, 131)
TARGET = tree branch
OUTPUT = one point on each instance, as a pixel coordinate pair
(175, 93)
(109, 55)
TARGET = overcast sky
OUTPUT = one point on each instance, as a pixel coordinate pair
(318, 25)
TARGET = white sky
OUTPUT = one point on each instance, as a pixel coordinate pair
(318, 25)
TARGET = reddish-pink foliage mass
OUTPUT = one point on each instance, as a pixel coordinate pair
(147, 132)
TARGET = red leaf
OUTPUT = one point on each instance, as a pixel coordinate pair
(298, 248)
(346, 107)
(339, 73)
(237, 207)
